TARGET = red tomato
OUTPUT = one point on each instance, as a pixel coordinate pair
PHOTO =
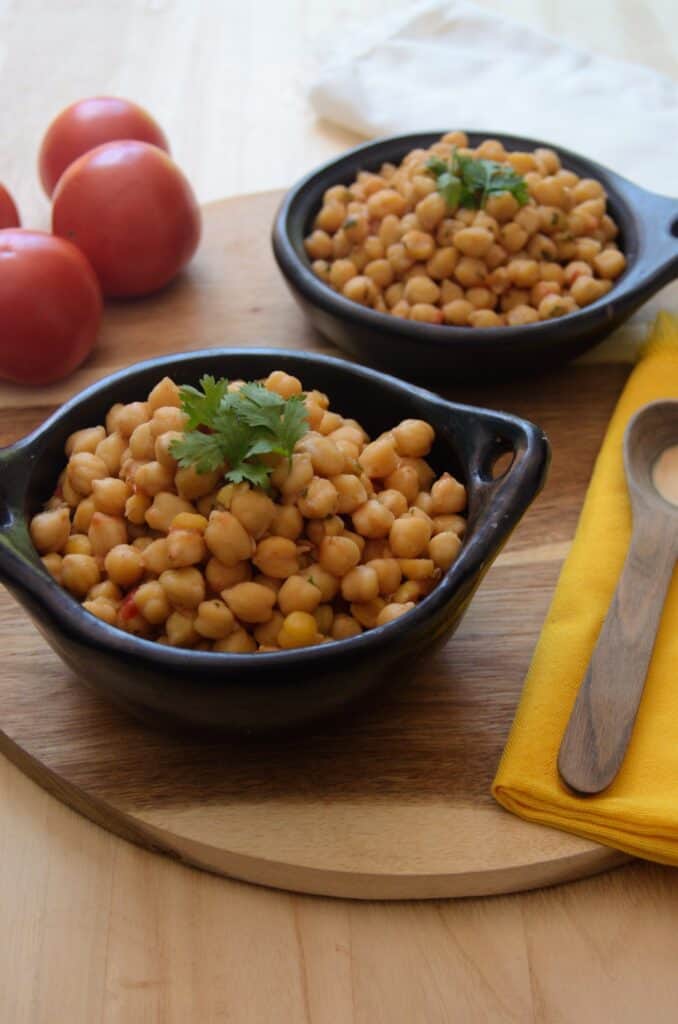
(90, 123)
(132, 212)
(50, 307)
(9, 217)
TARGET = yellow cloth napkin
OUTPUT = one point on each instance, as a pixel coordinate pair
(638, 813)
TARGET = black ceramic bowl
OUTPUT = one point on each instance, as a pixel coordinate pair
(250, 692)
(648, 226)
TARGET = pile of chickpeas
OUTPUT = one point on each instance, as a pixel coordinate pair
(389, 241)
(351, 535)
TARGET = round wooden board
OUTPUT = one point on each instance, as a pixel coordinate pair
(393, 803)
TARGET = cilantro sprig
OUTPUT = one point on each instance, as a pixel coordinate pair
(237, 428)
(468, 182)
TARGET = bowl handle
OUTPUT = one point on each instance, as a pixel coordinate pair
(658, 248)
(508, 487)
(17, 554)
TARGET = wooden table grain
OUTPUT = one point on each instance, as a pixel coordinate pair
(93, 929)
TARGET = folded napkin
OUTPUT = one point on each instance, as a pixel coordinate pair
(638, 813)
(444, 64)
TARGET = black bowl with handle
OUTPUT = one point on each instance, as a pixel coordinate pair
(270, 691)
(648, 236)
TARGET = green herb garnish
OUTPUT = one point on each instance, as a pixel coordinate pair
(236, 428)
(468, 182)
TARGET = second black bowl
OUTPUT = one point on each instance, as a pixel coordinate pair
(648, 226)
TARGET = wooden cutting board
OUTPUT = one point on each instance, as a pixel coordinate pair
(393, 803)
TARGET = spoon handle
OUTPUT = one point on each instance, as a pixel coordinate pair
(602, 718)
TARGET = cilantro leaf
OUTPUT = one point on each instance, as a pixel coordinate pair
(468, 182)
(203, 451)
(293, 423)
(254, 473)
(202, 406)
(450, 188)
(236, 428)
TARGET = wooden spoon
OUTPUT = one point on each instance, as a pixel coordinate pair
(600, 725)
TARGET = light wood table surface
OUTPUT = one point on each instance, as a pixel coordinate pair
(93, 929)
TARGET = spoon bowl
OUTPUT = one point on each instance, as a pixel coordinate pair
(652, 431)
(604, 712)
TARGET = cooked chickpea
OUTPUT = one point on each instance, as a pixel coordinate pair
(130, 417)
(552, 306)
(379, 458)
(351, 493)
(167, 418)
(78, 544)
(421, 289)
(609, 263)
(124, 565)
(457, 312)
(110, 450)
(344, 627)
(443, 549)
(473, 241)
(165, 393)
(152, 601)
(277, 557)
(409, 536)
(185, 547)
(395, 501)
(287, 522)
(367, 612)
(388, 573)
(253, 509)
(227, 539)
(405, 479)
(220, 577)
(298, 594)
(338, 555)
(180, 629)
(293, 477)
(417, 568)
(82, 516)
(102, 609)
(481, 298)
(523, 273)
(299, 629)
(419, 245)
(586, 289)
(393, 611)
(470, 271)
(319, 499)
(83, 469)
(520, 315)
(185, 588)
(86, 440)
(79, 573)
(162, 510)
(50, 530)
(190, 484)
(105, 532)
(360, 584)
(449, 496)
(501, 206)
(372, 519)
(454, 523)
(110, 495)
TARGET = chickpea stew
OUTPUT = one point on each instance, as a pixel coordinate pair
(307, 532)
(465, 237)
